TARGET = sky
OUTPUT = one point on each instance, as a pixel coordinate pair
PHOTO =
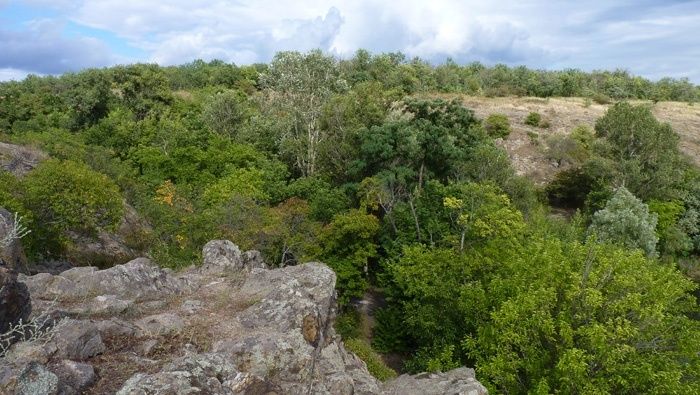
(654, 39)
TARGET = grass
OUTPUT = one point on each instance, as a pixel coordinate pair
(375, 364)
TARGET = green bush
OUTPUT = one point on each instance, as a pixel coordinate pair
(626, 221)
(533, 119)
(375, 365)
(497, 125)
(67, 196)
(600, 98)
(348, 324)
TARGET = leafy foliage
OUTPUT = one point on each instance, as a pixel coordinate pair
(497, 125)
(625, 220)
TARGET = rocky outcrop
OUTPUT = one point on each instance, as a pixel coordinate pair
(15, 304)
(18, 159)
(228, 327)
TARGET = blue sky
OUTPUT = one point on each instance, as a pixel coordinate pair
(649, 38)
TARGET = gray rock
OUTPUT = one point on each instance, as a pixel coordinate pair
(115, 327)
(106, 305)
(137, 279)
(19, 160)
(35, 379)
(221, 256)
(74, 377)
(77, 340)
(253, 259)
(15, 302)
(160, 324)
(201, 373)
(146, 347)
(191, 306)
(459, 381)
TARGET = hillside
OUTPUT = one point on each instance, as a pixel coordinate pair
(564, 114)
(421, 186)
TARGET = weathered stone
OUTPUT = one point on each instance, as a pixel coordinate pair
(266, 332)
(105, 305)
(459, 381)
(222, 256)
(77, 340)
(15, 302)
(74, 377)
(114, 327)
(160, 324)
(191, 307)
(205, 373)
(35, 379)
(137, 279)
(18, 159)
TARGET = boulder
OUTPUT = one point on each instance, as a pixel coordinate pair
(74, 377)
(36, 379)
(160, 324)
(137, 279)
(222, 255)
(460, 381)
(15, 302)
(77, 340)
(18, 159)
(200, 373)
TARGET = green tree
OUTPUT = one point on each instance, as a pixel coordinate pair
(645, 151)
(67, 196)
(297, 86)
(348, 245)
(625, 220)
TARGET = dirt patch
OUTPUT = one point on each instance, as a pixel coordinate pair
(526, 144)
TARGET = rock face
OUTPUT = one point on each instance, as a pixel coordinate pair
(228, 327)
(15, 304)
(19, 160)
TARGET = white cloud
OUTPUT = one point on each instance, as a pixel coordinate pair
(539, 33)
(8, 74)
(41, 48)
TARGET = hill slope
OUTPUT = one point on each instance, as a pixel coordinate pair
(564, 114)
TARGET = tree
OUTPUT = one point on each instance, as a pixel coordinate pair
(646, 151)
(225, 112)
(67, 196)
(625, 220)
(296, 87)
(348, 245)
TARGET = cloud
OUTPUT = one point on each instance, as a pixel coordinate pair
(7, 74)
(651, 37)
(41, 48)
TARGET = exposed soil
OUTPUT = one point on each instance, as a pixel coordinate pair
(527, 152)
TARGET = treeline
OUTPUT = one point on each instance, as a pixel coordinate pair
(314, 158)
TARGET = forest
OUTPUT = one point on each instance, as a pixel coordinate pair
(367, 165)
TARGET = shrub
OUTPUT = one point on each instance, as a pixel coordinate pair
(348, 324)
(626, 221)
(533, 119)
(601, 98)
(497, 125)
(584, 135)
(534, 138)
(69, 196)
(375, 365)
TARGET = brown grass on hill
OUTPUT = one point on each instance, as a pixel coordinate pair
(526, 144)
